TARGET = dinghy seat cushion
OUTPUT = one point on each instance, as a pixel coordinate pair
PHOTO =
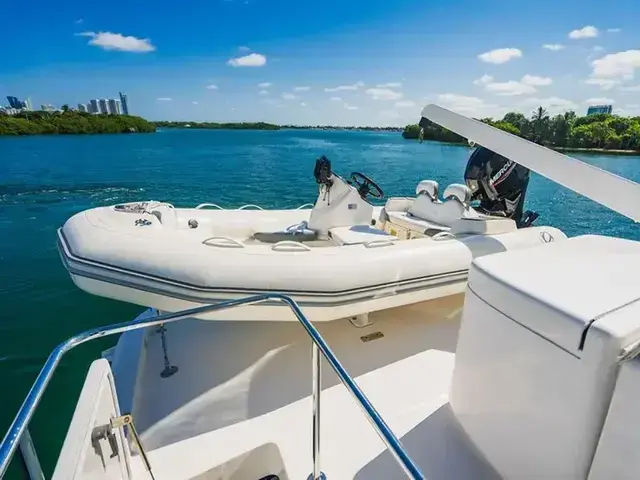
(359, 234)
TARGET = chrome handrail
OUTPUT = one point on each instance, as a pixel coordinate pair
(25, 413)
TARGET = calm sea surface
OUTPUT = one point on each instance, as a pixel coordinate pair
(45, 180)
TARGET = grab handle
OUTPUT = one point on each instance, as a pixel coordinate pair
(306, 205)
(290, 246)
(207, 205)
(251, 205)
(379, 243)
(223, 242)
(442, 236)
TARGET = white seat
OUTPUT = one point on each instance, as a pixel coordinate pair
(427, 212)
(429, 188)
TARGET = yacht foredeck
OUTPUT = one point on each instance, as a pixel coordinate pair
(241, 399)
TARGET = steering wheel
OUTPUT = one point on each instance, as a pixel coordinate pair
(366, 186)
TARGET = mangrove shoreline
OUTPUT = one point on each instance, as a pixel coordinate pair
(601, 133)
(70, 122)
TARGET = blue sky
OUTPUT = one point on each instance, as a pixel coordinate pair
(349, 62)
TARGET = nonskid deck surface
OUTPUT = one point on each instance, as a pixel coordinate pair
(245, 387)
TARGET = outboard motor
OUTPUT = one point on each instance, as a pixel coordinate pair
(499, 184)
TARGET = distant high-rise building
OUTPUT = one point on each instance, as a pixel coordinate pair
(47, 107)
(114, 106)
(27, 104)
(103, 105)
(14, 102)
(82, 107)
(125, 103)
(93, 106)
(595, 109)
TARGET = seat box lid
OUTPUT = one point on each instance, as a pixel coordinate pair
(558, 289)
(359, 234)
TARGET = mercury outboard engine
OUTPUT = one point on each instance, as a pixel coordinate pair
(499, 184)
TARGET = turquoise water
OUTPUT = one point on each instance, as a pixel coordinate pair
(45, 180)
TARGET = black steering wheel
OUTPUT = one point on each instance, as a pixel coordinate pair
(366, 186)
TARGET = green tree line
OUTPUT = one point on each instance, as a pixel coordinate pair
(219, 126)
(600, 131)
(70, 122)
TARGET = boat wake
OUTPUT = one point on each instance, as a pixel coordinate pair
(20, 194)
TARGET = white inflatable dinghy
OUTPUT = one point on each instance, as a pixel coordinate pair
(342, 258)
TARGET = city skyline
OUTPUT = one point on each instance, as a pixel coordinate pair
(98, 105)
(346, 63)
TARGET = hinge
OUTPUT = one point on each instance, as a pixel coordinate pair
(106, 431)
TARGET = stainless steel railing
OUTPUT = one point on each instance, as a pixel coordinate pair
(19, 425)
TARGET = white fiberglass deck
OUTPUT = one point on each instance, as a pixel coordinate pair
(245, 387)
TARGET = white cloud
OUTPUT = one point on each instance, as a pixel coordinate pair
(79, 21)
(616, 65)
(164, 99)
(383, 94)
(553, 105)
(634, 88)
(195, 103)
(117, 41)
(536, 81)
(500, 55)
(628, 110)
(472, 106)
(243, 49)
(483, 80)
(390, 85)
(336, 99)
(454, 98)
(600, 101)
(405, 104)
(351, 87)
(302, 89)
(263, 92)
(614, 30)
(212, 87)
(288, 96)
(554, 47)
(526, 85)
(510, 88)
(598, 48)
(265, 85)
(603, 83)
(585, 32)
(302, 104)
(251, 60)
(350, 107)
